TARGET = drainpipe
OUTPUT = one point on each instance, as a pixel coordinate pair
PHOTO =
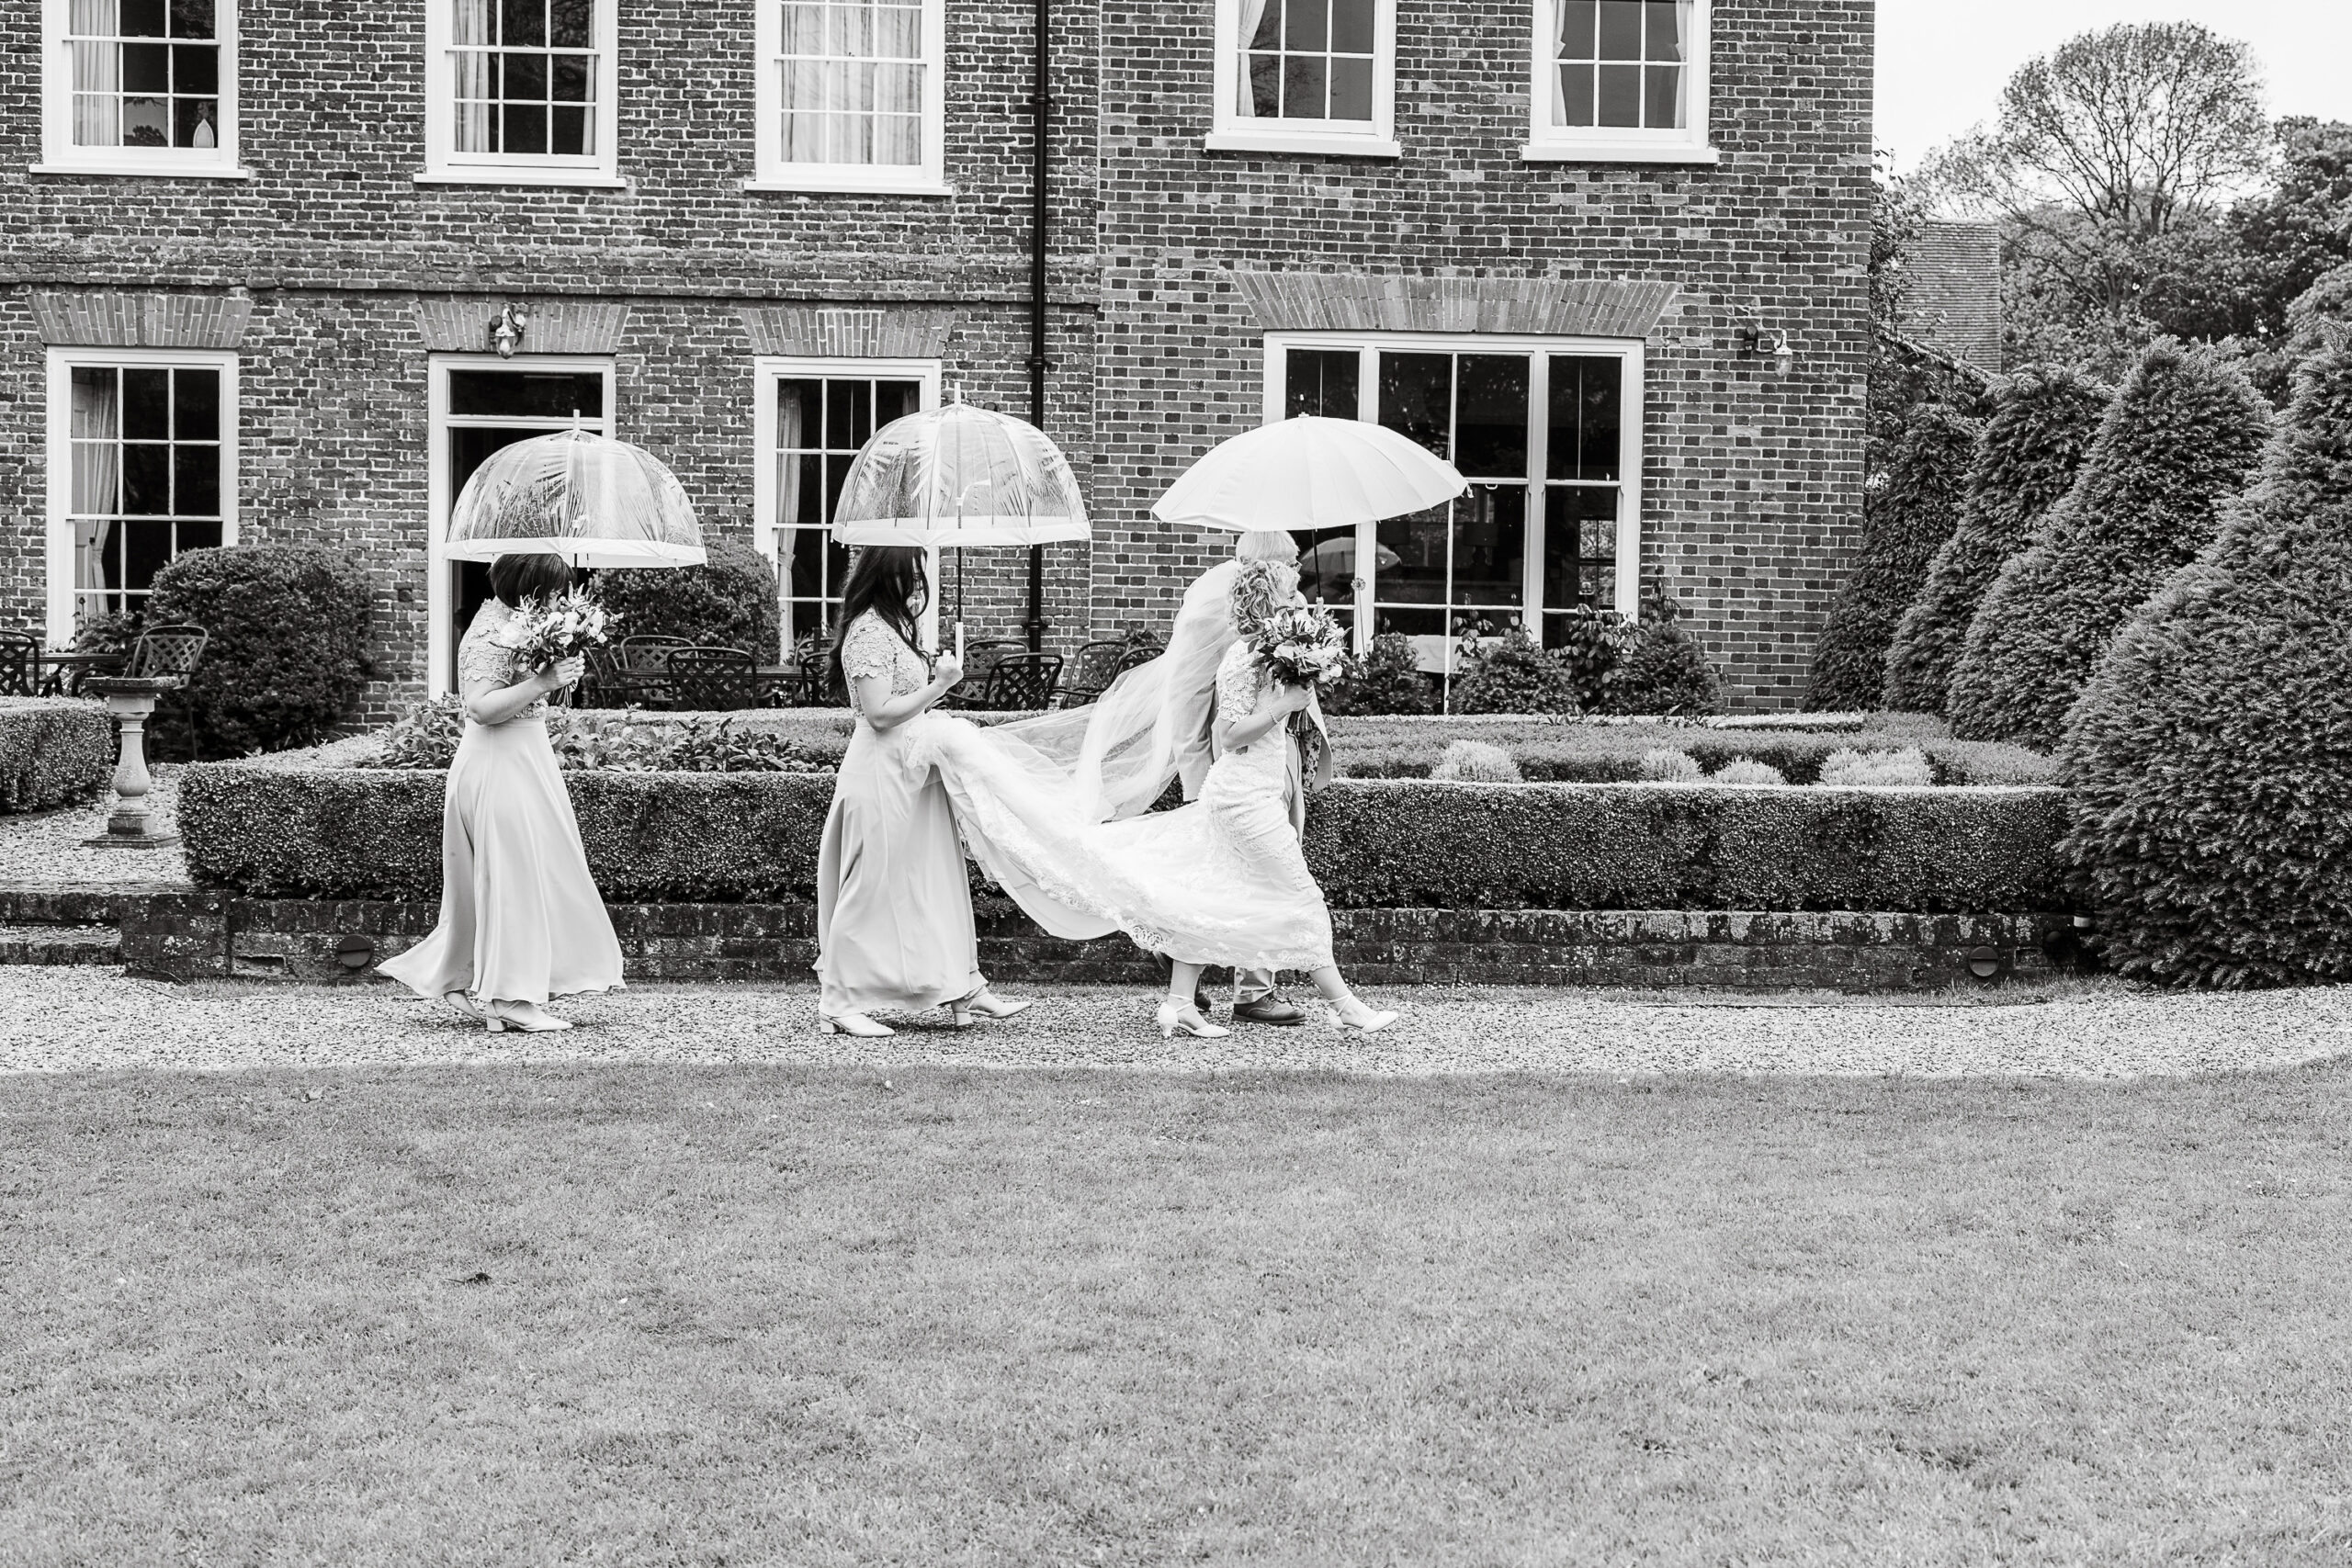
(1040, 112)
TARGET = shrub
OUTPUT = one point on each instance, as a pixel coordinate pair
(1908, 766)
(106, 633)
(287, 659)
(1387, 679)
(1475, 761)
(729, 602)
(1748, 771)
(1908, 514)
(308, 825)
(1515, 674)
(1590, 643)
(2211, 755)
(2026, 462)
(1663, 765)
(1660, 668)
(2178, 443)
(53, 751)
(625, 740)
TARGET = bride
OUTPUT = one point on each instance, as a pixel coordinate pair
(1221, 881)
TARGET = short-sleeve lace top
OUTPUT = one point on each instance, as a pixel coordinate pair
(871, 647)
(482, 656)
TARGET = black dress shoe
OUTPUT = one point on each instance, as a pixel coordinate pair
(1201, 1002)
(1270, 1008)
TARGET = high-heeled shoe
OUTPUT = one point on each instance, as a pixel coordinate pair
(984, 1004)
(1353, 1014)
(1176, 1013)
(854, 1024)
(528, 1018)
(467, 1005)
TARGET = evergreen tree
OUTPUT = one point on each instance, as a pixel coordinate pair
(2042, 424)
(2211, 758)
(1908, 514)
(2179, 442)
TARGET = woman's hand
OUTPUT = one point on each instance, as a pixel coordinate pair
(1291, 699)
(564, 673)
(947, 673)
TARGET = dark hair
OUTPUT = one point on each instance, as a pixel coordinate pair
(535, 576)
(881, 580)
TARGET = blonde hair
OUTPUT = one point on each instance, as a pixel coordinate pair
(1268, 545)
(1259, 587)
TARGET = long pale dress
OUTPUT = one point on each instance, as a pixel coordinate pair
(1222, 881)
(521, 918)
(894, 909)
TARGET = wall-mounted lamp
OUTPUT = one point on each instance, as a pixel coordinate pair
(1756, 338)
(506, 329)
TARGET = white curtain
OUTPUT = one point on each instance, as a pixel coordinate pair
(97, 469)
(792, 425)
(97, 73)
(1252, 13)
(472, 58)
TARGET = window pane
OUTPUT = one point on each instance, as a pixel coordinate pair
(1306, 24)
(198, 535)
(842, 414)
(804, 29)
(147, 549)
(1620, 29)
(1584, 424)
(147, 479)
(1662, 106)
(522, 22)
(195, 69)
(1663, 41)
(1266, 85)
(1269, 26)
(195, 473)
(1489, 546)
(572, 24)
(569, 131)
(1580, 546)
(1417, 574)
(146, 122)
(141, 18)
(1352, 89)
(527, 77)
(522, 128)
(146, 404)
(146, 68)
(1621, 96)
(1416, 398)
(194, 122)
(195, 405)
(1327, 565)
(570, 81)
(1351, 25)
(1579, 23)
(895, 400)
(192, 19)
(520, 394)
(1572, 102)
(897, 32)
(1491, 419)
(1321, 382)
(1302, 86)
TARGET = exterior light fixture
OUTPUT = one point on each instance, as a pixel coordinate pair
(506, 329)
(1756, 339)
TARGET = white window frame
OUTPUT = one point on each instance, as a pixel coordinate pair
(774, 172)
(1233, 131)
(767, 369)
(1549, 144)
(445, 166)
(1632, 418)
(61, 157)
(58, 502)
(439, 646)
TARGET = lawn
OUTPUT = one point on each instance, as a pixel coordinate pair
(617, 1314)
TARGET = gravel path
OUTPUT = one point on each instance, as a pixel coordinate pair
(53, 1021)
(47, 846)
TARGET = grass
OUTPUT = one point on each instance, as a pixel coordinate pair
(703, 1316)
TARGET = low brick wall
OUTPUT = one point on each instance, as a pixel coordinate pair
(199, 934)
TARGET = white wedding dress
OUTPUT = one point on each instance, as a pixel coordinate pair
(1220, 881)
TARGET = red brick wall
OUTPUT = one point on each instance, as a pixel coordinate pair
(1754, 484)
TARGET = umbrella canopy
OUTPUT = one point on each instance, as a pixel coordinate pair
(956, 478)
(1309, 472)
(588, 498)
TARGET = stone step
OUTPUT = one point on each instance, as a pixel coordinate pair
(60, 944)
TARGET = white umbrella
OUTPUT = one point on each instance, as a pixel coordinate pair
(1309, 472)
(959, 477)
(588, 498)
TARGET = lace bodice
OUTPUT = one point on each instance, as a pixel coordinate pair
(482, 659)
(871, 647)
(1242, 684)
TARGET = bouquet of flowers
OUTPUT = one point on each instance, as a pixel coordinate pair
(1301, 645)
(564, 627)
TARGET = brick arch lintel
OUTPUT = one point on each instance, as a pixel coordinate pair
(130, 317)
(849, 331)
(459, 323)
(1546, 307)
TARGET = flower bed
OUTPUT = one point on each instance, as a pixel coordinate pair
(53, 751)
(322, 825)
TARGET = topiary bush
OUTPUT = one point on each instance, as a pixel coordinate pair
(2211, 758)
(2179, 442)
(287, 656)
(1386, 680)
(1660, 669)
(1475, 761)
(1908, 767)
(53, 751)
(1515, 674)
(1748, 771)
(1908, 514)
(729, 602)
(1664, 765)
(621, 740)
(2032, 448)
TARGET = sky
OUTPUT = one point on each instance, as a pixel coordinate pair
(1942, 66)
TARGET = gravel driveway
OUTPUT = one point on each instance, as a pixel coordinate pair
(53, 1021)
(47, 846)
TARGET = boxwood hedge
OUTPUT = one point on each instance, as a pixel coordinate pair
(53, 750)
(333, 830)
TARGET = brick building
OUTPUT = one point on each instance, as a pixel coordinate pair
(257, 248)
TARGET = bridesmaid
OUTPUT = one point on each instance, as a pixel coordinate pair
(894, 911)
(521, 921)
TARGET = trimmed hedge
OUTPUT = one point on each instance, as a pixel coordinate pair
(2213, 753)
(2182, 440)
(1908, 516)
(728, 601)
(53, 751)
(287, 656)
(2032, 447)
(339, 831)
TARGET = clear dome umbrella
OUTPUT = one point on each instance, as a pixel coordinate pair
(588, 498)
(959, 477)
